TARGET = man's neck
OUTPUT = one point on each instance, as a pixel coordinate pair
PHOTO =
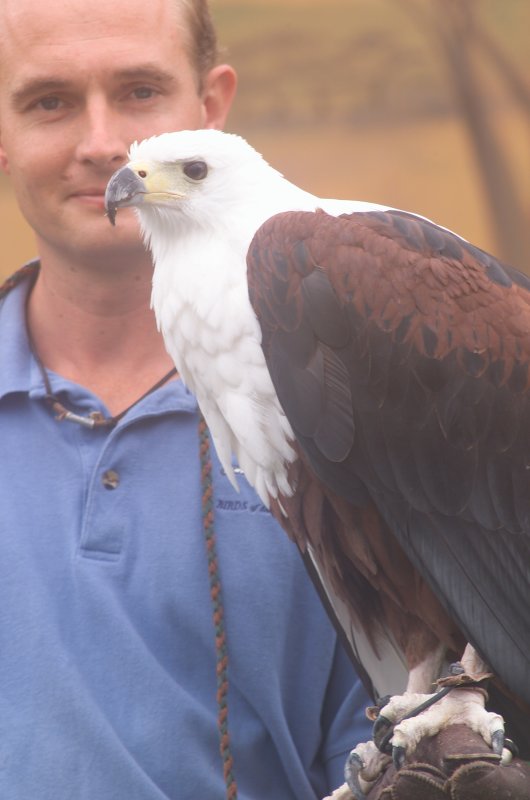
(98, 329)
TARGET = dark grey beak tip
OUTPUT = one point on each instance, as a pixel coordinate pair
(124, 188)
(111, 213)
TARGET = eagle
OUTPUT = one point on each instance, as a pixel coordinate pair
(368, 371)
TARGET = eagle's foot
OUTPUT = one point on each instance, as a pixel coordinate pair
(364, 766)
(404, 728)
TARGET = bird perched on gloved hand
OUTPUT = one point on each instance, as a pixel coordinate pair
(369, 372)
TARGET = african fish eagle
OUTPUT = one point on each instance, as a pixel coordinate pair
(369, 371)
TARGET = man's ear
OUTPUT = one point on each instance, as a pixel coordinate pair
(218, 93)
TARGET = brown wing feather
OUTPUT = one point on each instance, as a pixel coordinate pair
(366, 567)
(413, 350)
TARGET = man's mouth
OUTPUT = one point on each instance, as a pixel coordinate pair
(89, 191)
(90, 195)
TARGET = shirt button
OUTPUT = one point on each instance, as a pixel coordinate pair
(110, 479)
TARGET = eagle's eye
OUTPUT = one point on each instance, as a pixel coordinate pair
(196, 170)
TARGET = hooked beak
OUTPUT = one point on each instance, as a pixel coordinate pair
(125, 188)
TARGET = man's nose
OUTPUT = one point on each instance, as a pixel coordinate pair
(102, 141)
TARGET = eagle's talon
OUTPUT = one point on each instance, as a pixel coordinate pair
(380, 727)
(352, 768)
(382, 731)
(381, 722)
(462, 704)
(497, 742)
(363, 768)
(398, 756)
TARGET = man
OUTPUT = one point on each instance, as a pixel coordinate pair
(107, 635)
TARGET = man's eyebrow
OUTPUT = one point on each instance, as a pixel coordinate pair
(42, 86)
(145, 72)
(34, 87)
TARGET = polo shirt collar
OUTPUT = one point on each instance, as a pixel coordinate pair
(17, 365)
(19, 371)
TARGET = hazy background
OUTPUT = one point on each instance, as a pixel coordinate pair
(419, 104)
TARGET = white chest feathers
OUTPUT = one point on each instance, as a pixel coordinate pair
(213, 336)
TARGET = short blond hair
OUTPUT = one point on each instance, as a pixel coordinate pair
(203, 37)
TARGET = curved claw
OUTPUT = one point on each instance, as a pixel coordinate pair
(382, 733)
(352, 768)
(497, 742)
(380, 726)
(398, 756)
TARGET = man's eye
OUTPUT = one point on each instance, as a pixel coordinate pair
(143, 93)
(49, 103)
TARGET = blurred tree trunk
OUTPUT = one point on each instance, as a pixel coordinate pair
(455, 27)
(517, 83)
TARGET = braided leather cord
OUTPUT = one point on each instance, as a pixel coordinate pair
(26, 271)
(218, 611)
(30, 270)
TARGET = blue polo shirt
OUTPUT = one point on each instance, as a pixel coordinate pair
(107, 653)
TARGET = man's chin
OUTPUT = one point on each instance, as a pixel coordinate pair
(126, 247)
(93, 228)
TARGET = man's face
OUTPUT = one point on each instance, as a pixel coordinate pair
(80, 81)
